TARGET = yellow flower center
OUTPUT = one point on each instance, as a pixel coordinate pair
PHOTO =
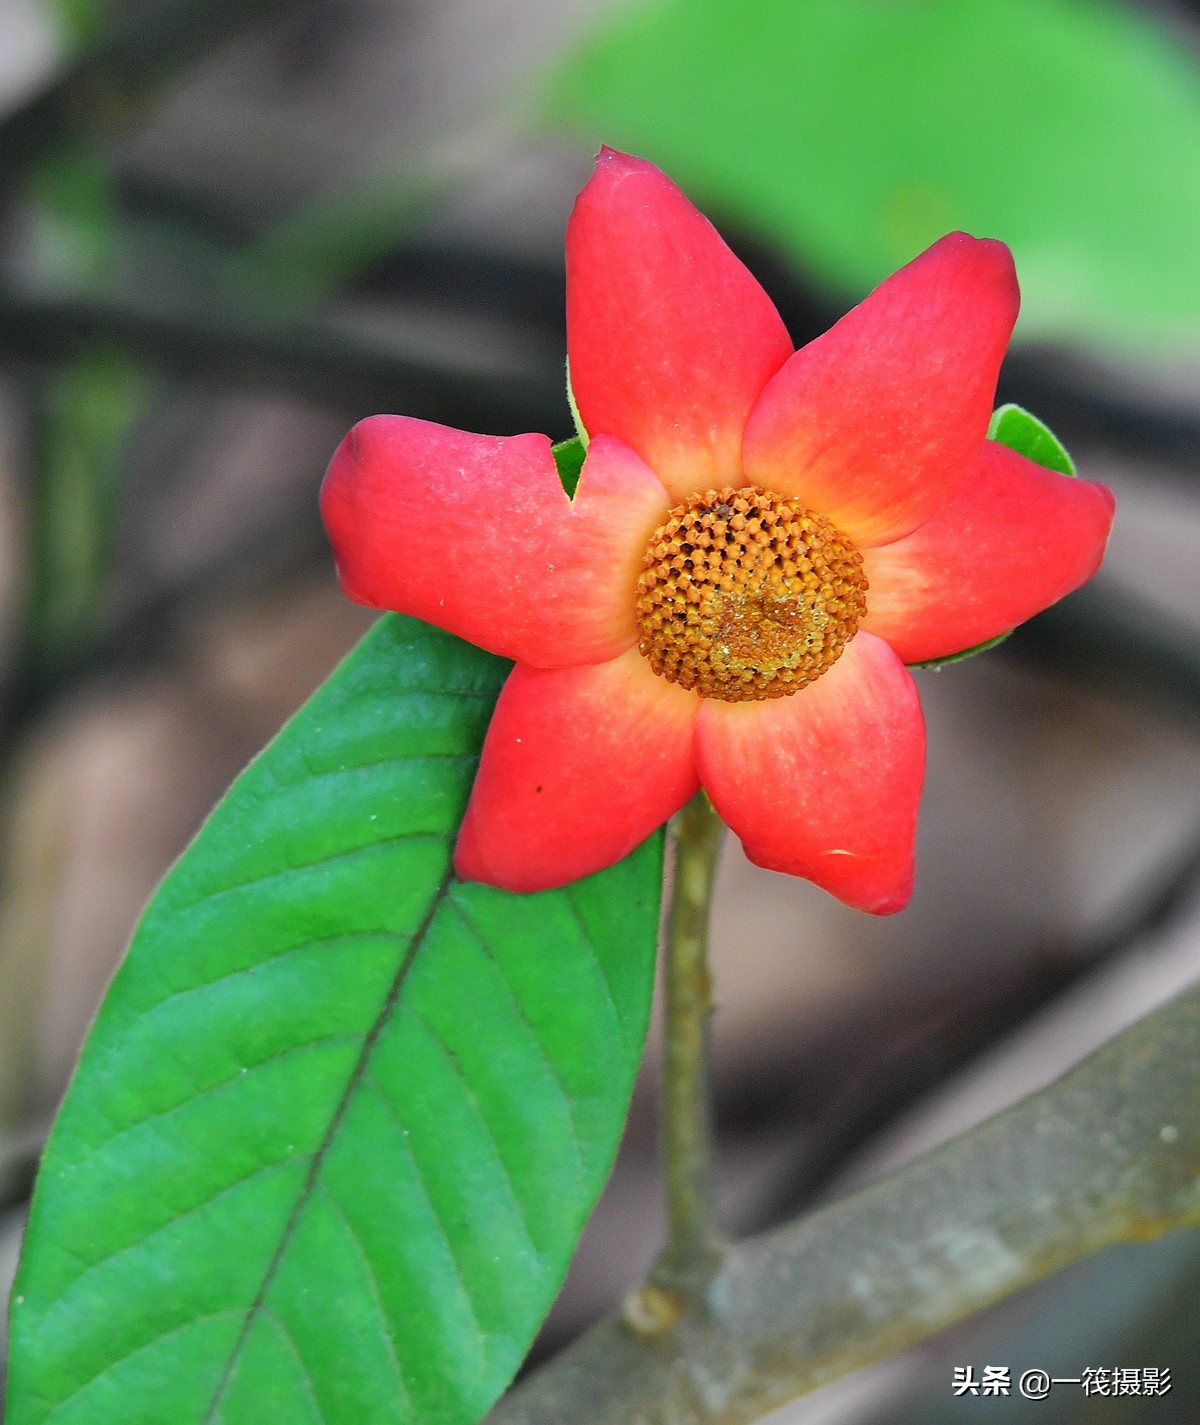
(747, 595)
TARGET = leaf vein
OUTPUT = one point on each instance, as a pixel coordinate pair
(260, 1171)
(294, 1351)
(469, 1094)
(302, 867)
(137, 1351)
(551, 1067)
(361, 1251)
(405, 1135)
(239, 1076)
(346, 938)
(602, 971)
(373, 766)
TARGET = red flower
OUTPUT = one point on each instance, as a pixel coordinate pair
(760, 539)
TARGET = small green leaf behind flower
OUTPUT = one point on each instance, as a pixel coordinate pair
(568, 456)
(342, 1117)
(1021, 431)
(1014, 426)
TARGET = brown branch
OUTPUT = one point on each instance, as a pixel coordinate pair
(1109, 1153)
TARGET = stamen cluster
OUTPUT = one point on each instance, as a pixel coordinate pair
(747, 595)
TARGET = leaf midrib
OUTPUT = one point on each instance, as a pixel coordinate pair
(357, 1074)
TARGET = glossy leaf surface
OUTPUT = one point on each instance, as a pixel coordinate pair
(341, 1118)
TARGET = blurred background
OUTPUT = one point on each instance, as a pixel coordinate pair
(230, 228)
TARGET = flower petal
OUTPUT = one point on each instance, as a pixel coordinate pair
(824, 784)
(671, 339)
(1014, 538)
(475, 534)
(876, 422)
(579, 766)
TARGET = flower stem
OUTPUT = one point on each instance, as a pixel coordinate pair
(693, 1239)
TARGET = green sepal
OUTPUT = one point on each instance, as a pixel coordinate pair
(580, 429)
(568, 456)
(966, 653)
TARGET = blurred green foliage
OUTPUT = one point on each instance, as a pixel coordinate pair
(73, 216)
(80, 22)
(89, 409)
(855, 134)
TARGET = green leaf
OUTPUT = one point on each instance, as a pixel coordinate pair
(1014, 426)
(568, 456)
(854, 134)
(1020, 430)
(341, 1118)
